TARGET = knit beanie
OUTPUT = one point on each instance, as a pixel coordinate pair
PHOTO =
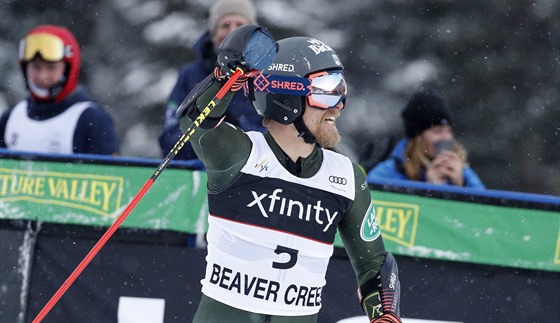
(424, 110)
(226, 7)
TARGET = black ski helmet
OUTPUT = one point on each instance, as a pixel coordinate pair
(297, 57)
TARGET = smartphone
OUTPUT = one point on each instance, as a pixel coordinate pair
(443, 145)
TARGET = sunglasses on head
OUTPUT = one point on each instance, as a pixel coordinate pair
(50, 47)
(324, 90)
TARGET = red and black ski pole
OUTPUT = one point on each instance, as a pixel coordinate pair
(107, 235)
(249, 43)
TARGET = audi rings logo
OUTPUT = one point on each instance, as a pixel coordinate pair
(338, 180)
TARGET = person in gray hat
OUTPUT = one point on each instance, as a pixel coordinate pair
(224, 16)
(429, 153)
(228, 15)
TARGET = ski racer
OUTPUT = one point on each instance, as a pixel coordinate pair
(59, 116)
(277, 199)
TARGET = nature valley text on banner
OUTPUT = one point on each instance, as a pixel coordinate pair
(97, 194)
(398, 221)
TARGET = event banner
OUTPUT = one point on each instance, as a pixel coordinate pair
(468, 231)
(95, 194)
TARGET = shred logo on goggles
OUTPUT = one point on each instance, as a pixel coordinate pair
(282, 84)
(323, 89)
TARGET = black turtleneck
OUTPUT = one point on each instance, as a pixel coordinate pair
(302, 167)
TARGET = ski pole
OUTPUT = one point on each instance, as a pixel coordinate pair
(107, 235)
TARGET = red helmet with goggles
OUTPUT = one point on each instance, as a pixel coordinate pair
(304, 70)
(52, 44)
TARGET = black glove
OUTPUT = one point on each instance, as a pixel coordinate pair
(382, 294)
(249, 47)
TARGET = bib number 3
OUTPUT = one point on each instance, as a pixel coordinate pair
(291, 261)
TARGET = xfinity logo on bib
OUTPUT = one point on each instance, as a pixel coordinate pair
(273, 203)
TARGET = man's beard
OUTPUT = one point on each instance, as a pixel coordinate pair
(327, 137)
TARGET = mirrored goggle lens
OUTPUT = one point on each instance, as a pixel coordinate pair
(323, 90)
(327, 89)
(50, 47)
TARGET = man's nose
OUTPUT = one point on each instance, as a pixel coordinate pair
(43, 75)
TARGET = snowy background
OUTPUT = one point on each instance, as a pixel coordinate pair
(497, 62)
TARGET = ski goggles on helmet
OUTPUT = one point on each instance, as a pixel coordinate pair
(323, 90)
(50, 47)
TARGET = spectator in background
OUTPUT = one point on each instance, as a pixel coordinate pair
(224, 17)
(429, 153)
(59, 116)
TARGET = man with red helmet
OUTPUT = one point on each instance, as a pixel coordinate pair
(59, 116)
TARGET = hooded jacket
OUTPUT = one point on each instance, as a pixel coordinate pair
(392, 168)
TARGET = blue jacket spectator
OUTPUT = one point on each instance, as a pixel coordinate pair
(224, 16)
(392, 168)
(429, 153)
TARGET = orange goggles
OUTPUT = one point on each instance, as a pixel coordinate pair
(50, 47)
(328, 89)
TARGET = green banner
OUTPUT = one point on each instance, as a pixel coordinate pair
(96, 194)
(470, 232)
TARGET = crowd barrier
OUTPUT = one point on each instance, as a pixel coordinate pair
(464, 255)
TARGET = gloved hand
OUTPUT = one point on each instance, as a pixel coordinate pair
(380, 296)
(387, 318)
(237, 85)
(249, 47)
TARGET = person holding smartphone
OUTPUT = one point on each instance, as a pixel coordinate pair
(429, 152)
